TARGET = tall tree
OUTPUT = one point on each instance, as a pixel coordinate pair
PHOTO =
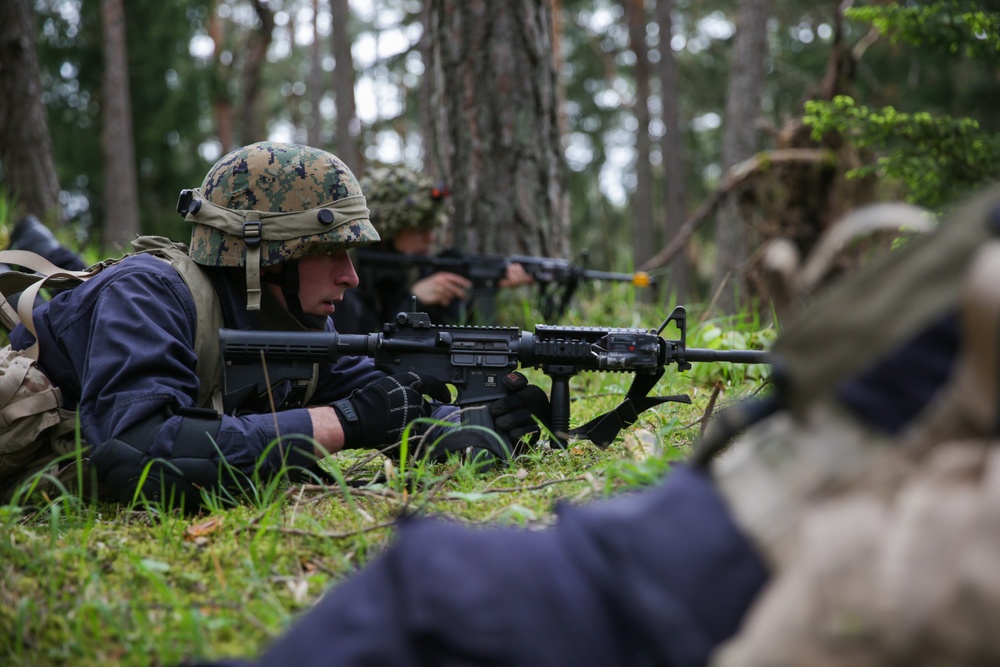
(348, 125)
(493, 70)
(222, 105)
(739, 142)
(672, 149)
(425, 102)
(315, 132)
(25, 144)
(121, 189)
(643, 237)
(252, 126)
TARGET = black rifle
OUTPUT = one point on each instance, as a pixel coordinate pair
(556, 279)
(474, 360)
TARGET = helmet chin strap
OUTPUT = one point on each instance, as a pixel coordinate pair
(288, 281)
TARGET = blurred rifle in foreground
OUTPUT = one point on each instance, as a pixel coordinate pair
(474, 360)
(556, 279)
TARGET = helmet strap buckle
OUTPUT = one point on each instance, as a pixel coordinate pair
(252, 238)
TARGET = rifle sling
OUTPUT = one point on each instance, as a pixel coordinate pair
(602, 430)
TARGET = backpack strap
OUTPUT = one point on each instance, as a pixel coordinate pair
(45, 273)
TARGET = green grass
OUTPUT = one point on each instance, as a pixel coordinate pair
(94, 584)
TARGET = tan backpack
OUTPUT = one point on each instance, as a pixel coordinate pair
(882, 546)
(40, 449)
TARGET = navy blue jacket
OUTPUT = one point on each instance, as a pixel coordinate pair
(660, 577)
(121, 349)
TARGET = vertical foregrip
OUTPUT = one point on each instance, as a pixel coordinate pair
(559, 398)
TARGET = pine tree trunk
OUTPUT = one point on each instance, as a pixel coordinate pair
(673, 151)
(433, 157)
(121, 189)
(315, 132)
(222, 106)
(643, 238)
(493, 78)
(29, 171)
(348, 126)
(739, 142)
(252, 126)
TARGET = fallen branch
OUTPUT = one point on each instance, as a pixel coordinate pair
(735, 178)
(535, 487)
(324, 534)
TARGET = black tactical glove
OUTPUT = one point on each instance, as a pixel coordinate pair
(376, 415)
(513, 414)
(513, 419)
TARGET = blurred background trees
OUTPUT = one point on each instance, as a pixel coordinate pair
(613, 126)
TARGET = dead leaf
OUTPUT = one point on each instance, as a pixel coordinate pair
(200, 530)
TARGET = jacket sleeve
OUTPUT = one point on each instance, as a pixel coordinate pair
(659, 577)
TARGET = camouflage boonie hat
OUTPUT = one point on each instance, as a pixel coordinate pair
(400, 198)
(269, 203)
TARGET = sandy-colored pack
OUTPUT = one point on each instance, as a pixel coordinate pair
(883, 547)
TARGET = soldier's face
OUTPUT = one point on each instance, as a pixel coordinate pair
(322, 281)
(414, 241)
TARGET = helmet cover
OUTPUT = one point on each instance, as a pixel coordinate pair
(275, 180)
(400, 198)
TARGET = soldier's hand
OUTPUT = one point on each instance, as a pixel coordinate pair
(516, 276)
(376, 415)
(441, 288)
(515, 414)
(516, 420)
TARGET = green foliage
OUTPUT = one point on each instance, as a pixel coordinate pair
(936, 154)
(937, 157)
(952, 27)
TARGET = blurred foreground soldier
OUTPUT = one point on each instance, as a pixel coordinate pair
(855, 522)
(874, 494)
(135, 348)
(30, 234)
(409, 210)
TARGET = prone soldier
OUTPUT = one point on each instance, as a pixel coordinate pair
(134, 350)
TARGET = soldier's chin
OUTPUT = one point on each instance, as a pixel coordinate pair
(324, 309)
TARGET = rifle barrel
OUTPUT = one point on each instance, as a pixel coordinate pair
(639, 278)
(732, 356)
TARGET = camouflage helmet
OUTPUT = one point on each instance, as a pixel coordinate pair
(400, 199)
(269, 203)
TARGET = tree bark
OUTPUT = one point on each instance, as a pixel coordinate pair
(433, 158)
(643, 237)
(29, 169)
(348, 126)
(673, 151)
(222, 105)
(493, 74)
(315, 131)
(253, 128)
(121, 182)
(739, 141)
